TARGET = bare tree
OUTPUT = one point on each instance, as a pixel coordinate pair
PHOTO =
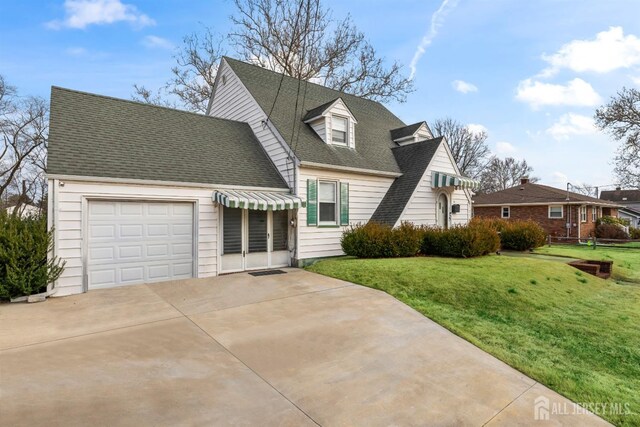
(586, 189)
(24, 125)
(501, 174)
(192, 78)
(298, 38)
(621, 118)
(469, 149)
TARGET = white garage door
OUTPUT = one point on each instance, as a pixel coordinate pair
(138, 242)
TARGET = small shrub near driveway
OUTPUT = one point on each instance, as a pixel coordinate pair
(469, 241)
(634, 233)
(374, 240)
(24, 245)
(522, 236)
(611, 220)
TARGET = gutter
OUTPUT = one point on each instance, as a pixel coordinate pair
(314, 165)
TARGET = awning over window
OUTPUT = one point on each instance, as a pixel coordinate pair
(257, 200)
(441, 179)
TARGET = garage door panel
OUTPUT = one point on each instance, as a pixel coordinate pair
(139, 242)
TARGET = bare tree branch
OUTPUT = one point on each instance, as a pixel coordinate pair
(469, 149)
(502, 174)
(621, 119)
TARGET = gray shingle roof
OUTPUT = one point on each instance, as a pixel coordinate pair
(621, 195)
(413, 160)
(315, 112)
(534, 193)
(406, 130)
(99, 136)
(373, 139)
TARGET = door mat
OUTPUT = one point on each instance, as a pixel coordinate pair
(267, 273)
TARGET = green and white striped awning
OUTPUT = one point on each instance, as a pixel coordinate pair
(258, 200)
(441, 179)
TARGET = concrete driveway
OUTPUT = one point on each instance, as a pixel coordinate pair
(291, 349)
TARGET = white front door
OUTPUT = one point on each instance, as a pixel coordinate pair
(254, 239)
(442, 211)
(138, 242)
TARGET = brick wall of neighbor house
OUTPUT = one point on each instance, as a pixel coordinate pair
(540, 214)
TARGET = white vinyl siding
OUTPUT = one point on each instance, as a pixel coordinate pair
(556, 212)
(421, 209)
(233, 101)
(320, 127)
(365, 194)
(70, 225)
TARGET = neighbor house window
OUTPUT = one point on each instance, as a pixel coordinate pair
(583, 213)
(328, 203)
(339, 126)
(506, 212)
(556, 212)
(594, 213)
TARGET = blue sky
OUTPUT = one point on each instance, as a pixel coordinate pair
(530, 73)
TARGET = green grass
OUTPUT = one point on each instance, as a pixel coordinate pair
(626, 262)
(575, 333)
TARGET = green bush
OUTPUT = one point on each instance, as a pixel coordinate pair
(611, 231)
(634, 233)
(522, 235)
(374, 240)
(24, 246)
(478, 238)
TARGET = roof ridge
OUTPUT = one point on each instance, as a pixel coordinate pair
(144, 104)
(308, 81)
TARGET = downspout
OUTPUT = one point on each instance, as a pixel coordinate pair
(52, 223)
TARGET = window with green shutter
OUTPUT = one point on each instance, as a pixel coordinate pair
(344, 203)
(312, 202)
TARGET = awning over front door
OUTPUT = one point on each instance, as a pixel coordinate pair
(441, 179)
(258, 200)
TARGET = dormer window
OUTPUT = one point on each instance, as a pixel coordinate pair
(334, 123)
(339, 130)
(412, 133)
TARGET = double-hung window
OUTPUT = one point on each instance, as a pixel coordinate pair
(339, 130)
(594, 213)
(583, 213)
(556, 212)
(506, 212)
(328, 202)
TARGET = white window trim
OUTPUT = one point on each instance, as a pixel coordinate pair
(561, 211)
(347, 133)
(502, 208)
(594, 214)
(583, 214)
(337, 202)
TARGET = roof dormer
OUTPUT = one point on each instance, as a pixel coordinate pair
(334, 123)
(412, 133)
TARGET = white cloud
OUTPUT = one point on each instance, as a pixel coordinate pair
(157, 42)
(576, 92)
(609, 51)
(571, 124)
(476, 128)
(437, 19)
(82, 13)
(464, 87)
(503, 147)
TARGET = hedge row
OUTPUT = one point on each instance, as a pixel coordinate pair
(480, 237)
(635, 233)
(24, 246)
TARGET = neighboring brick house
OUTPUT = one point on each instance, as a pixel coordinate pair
(561, 213)
(630, 202)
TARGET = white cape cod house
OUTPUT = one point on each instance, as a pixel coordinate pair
(141, 193)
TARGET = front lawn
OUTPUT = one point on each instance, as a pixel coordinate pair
(575, 333)
(626, 262)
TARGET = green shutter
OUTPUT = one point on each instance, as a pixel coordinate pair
(344, 203)
(312, 202)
